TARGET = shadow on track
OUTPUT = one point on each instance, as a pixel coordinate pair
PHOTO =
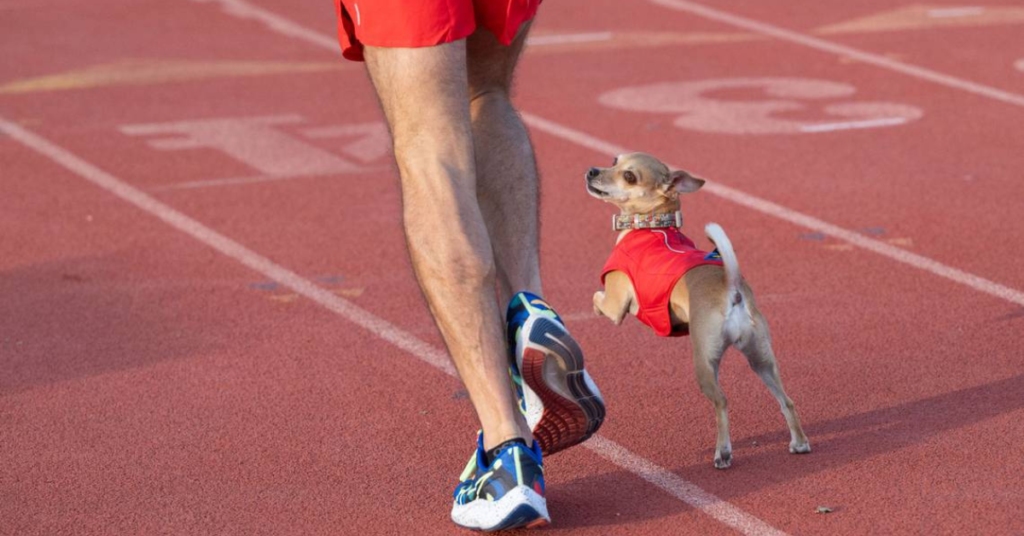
(837, 443)
(82, 317)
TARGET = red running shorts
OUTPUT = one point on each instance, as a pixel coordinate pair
(425, 23)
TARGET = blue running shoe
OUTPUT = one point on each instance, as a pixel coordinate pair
(560, 401)
(507, 494)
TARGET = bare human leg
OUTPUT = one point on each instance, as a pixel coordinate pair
(424, 95)
(561, 401)
(505, 166)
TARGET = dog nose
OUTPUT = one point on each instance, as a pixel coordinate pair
(594, 172)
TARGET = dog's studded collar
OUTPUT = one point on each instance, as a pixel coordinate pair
(621, 222)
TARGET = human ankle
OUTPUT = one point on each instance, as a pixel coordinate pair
(491, 454)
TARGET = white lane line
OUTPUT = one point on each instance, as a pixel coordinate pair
(258, 179)
(275, 23)
(803, 220)
(233, 181)
(1019, 64)
(560, 39)
(664, 479)
(679, 488)
(842, 50)
(850, 125)
(955, 12)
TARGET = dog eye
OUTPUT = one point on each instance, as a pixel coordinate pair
(630, 177)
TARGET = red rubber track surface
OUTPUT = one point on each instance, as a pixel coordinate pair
(153, 385)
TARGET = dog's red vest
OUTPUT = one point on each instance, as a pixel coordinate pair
(654, 260)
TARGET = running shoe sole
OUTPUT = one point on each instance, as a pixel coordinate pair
(552, 367)
(520, 507)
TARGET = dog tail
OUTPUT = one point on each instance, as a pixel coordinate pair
(738, 319)
(721, 241)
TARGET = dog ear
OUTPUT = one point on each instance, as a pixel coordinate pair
(683, 182)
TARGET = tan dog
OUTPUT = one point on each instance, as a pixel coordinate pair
(711, 301)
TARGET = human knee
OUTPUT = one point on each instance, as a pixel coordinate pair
(434, 141)
(435, 158)
(489, 75)
(489, 92)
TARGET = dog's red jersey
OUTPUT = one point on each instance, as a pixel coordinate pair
(654, 260)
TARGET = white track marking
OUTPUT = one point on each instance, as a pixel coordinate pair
(685, 491)
(275, 23)
(955, 12)
(258, 142)
(696, 106)
(1019, 65)
(234, 181)
(778, 211)
(842, 50)
(368, 142)
(561, 39)
(849, 125)
(680, 488)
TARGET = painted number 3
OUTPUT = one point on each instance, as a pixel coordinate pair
(761, 105)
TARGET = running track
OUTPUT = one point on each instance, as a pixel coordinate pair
(208, 324)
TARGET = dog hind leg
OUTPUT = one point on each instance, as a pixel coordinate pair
(759, 354)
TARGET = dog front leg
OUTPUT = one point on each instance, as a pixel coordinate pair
(708, 347)
(614, 301)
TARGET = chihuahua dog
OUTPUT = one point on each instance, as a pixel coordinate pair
(657, 274)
